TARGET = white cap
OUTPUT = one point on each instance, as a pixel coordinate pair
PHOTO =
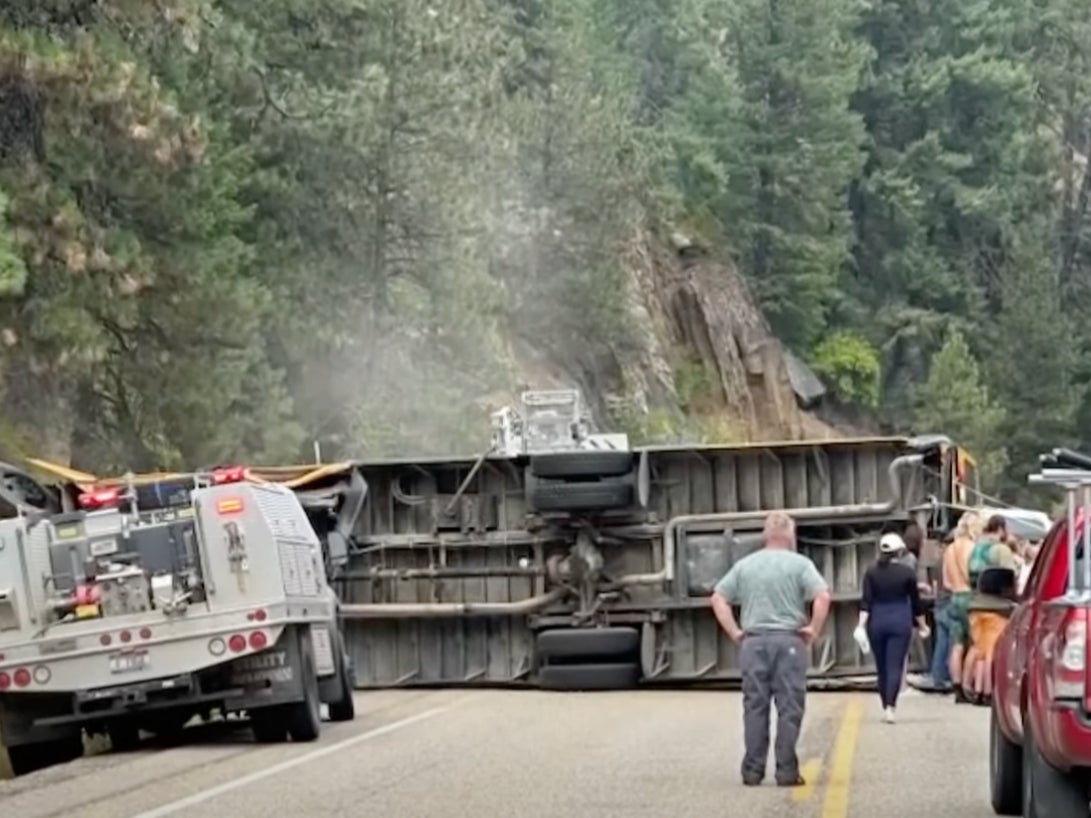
(891, 544)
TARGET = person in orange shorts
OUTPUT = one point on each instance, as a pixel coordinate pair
(988, 615)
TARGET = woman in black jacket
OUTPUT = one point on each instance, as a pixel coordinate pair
(891, 603)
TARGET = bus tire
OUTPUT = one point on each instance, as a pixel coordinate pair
(566, 465)
(620, 676)
(571, 497)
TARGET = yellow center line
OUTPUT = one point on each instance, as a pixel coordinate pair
(839, 787)
(810, 770)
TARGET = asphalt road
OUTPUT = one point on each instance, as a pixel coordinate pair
(491, 754)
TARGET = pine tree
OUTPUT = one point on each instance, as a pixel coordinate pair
(790, 152)
(1033, 360)
(955, 401)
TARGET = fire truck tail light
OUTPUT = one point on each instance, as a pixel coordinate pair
(217, 647)
(257, 616)
(5, 681)
(22, 677)
(258, 640)
(145, 633)
(237, 643)
(103, 498)
(233, 474)
(42, 674)
(125, 636)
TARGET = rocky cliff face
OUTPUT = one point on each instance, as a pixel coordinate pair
(701, 362)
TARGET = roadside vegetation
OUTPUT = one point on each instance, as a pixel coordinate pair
(231, 228)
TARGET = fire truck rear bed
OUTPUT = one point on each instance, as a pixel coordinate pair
(115, 619)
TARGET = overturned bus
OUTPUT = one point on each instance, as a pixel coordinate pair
(589, 564)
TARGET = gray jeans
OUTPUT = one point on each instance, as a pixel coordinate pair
(774, 670)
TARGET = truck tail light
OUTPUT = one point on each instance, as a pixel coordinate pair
(237, 643)
(5, 681)
(258, 640)
(232, 474)
(1070, 667)
(103, 498)
(21, 677)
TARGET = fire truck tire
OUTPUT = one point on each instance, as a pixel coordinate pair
(124, 735)
(27, 758)
(582, 464)
(589, 677)
(1005, 771)
(268, 725)
(304, 717)
(1047, 791)
(559, 645)
(344, 707)
(581, 496)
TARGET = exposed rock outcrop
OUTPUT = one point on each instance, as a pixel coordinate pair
(690, 312)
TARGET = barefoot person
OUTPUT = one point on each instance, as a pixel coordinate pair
(956, 578)
(773, 587)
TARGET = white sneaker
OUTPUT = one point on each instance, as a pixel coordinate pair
(888, 715)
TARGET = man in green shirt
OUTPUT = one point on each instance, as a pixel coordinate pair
(773, 587)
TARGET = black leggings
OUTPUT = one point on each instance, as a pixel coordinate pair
(889, 635)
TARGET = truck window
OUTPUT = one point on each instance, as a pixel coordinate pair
(1049, 577)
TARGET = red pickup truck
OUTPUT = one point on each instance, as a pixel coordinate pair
(1040, 731)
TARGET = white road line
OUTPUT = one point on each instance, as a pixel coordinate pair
(276, 769)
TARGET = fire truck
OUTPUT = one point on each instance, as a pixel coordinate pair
(137, 604)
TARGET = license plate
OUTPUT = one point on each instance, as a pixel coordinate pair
(128, 662)
(102, 548)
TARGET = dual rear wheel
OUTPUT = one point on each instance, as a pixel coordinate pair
(589, 658)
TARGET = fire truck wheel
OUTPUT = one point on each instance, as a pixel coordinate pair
(267, 725)
(344, 707)
(582, 464)
(1048, 791)
(581, 496)
(30, 757)
(1005, 771)
(124, 736)
(305, 717)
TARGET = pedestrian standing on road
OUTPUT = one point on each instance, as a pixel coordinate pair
(890, 603)
(941, 646)
(773, 586)
(910, 554)
(956, 578)
(987, 615)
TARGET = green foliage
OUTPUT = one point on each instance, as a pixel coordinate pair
(955, 401)
(228, 229)
(13, 271)
(851, 367)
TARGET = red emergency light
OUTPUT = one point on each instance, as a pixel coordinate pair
(103, 498)
(230, 474)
